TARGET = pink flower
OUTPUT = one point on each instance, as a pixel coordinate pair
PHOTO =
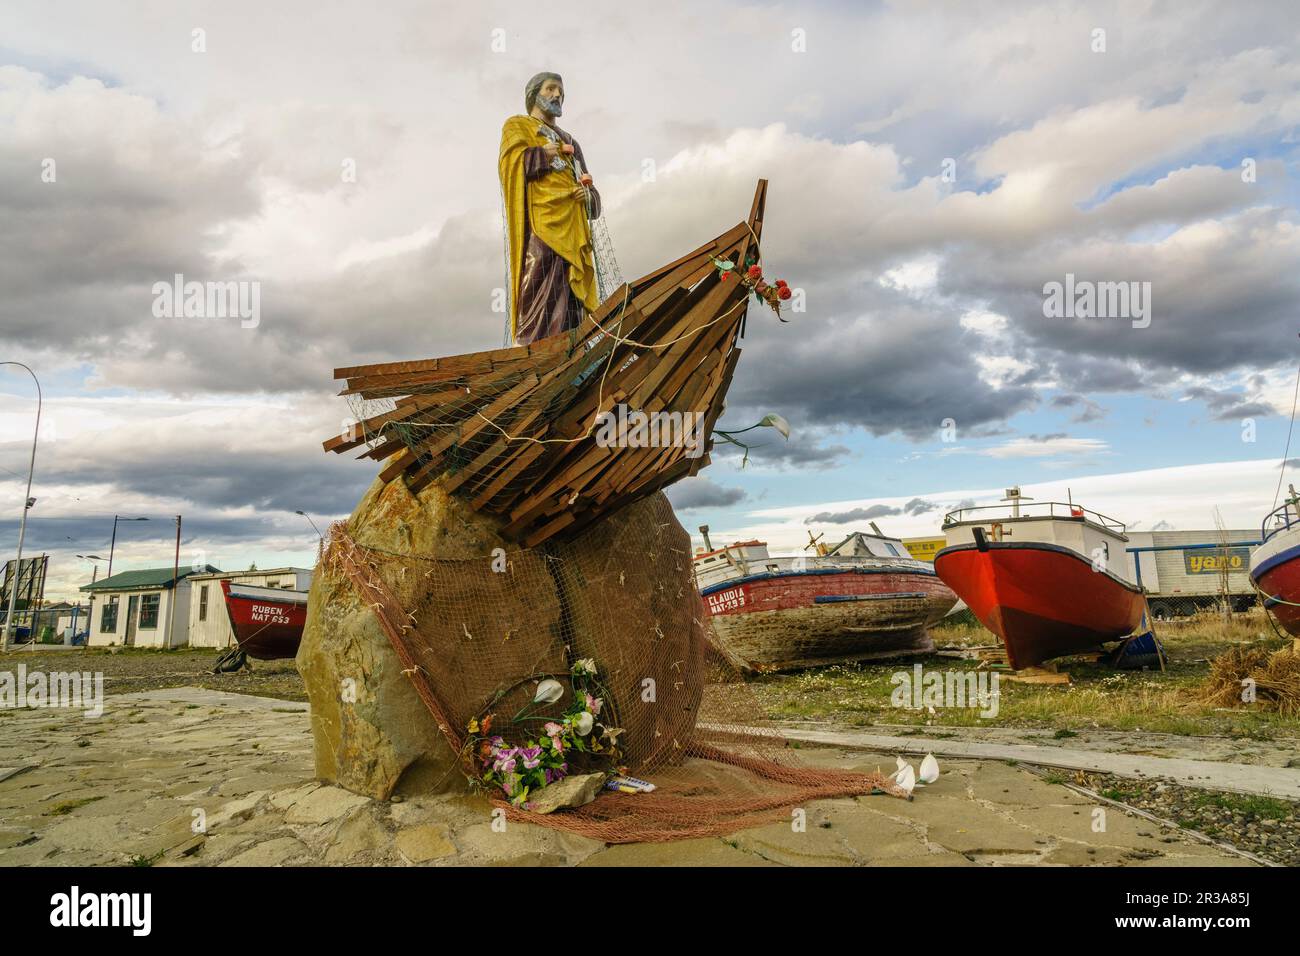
(594, 705)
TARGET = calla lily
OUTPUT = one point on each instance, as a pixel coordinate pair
(929, 769)
(906, 778)
(548, 692)
(776, 421)
(583, 723)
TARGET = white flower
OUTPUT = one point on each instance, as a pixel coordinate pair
(582, 723)
(548, 692)
(776, 421)
(929, 769)
(905, 778)
(586, 665)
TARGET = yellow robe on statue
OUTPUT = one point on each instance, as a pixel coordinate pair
(546, 205)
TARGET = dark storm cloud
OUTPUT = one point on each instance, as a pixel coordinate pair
(1089, 411)
(693, 494)
(1225, 405)
(856, 514)
(806, 448)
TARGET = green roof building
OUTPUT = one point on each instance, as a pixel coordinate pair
(139, 608)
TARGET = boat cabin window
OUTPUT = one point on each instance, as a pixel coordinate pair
(203, 602)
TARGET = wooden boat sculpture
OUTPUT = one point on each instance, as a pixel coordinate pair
(514, 430)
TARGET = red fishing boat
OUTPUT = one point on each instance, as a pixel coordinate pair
(865, 598)
(267, 622)
(1050, 579)
(1275, 564)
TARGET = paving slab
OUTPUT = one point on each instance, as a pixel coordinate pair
(1219, 775)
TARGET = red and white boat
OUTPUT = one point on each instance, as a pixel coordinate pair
(267, 622)
(1049, 579)
(865, 598)
(1275, 564)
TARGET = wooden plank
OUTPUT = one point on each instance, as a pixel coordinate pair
(522, 461)
(473, 424)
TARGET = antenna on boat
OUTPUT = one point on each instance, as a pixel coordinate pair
(1015, 497)
(704, 530)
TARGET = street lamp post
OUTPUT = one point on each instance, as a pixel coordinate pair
(113, 543)
(28, 501)
(310, 522)
(90, 608)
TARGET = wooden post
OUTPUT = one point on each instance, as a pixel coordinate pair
(176, 567)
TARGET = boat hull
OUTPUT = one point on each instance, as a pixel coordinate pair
(1275, 569)
(795, 619)
(267, 626)
(1041, 600)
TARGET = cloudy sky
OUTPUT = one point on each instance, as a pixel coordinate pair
(932, 167)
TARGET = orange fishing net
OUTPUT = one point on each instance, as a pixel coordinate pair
(477, 636)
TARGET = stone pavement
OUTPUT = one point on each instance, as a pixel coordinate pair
(189, 777)
(1237, 777)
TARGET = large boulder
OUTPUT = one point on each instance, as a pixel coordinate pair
(372, 732)
(483, 628)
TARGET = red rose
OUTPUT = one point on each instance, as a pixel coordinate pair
(780, 283)
(755, 272)
(783, 292)
(725, 275)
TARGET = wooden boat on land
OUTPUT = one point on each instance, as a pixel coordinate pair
(514, 430)
(1049, 579)
(1275, 564)
(864, 599)
(267, 622)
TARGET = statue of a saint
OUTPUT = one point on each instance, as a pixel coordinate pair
(549, 202)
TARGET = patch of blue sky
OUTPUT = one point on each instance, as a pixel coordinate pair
(56, 70)
(1225, 153)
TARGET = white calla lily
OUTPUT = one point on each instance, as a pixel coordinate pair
(548, 692)
(906, 778)
(774, 420)
(583, 723)
(929, 769)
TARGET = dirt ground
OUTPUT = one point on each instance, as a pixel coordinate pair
(127, 670)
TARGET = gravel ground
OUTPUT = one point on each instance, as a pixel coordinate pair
(1265, 826)
(132, 670)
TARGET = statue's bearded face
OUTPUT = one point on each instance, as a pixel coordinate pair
(551, 97)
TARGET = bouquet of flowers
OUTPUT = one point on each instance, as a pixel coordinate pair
(752, 276)
(543, 757)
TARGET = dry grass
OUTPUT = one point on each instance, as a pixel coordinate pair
(1169, 701)
(1276, 676)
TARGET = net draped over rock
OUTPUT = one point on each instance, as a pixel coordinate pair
(475, 635)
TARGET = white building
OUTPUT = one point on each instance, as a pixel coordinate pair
(209, 624)
(134, 608)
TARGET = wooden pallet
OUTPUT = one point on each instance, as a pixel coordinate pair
(513, 430)
(995, 659)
